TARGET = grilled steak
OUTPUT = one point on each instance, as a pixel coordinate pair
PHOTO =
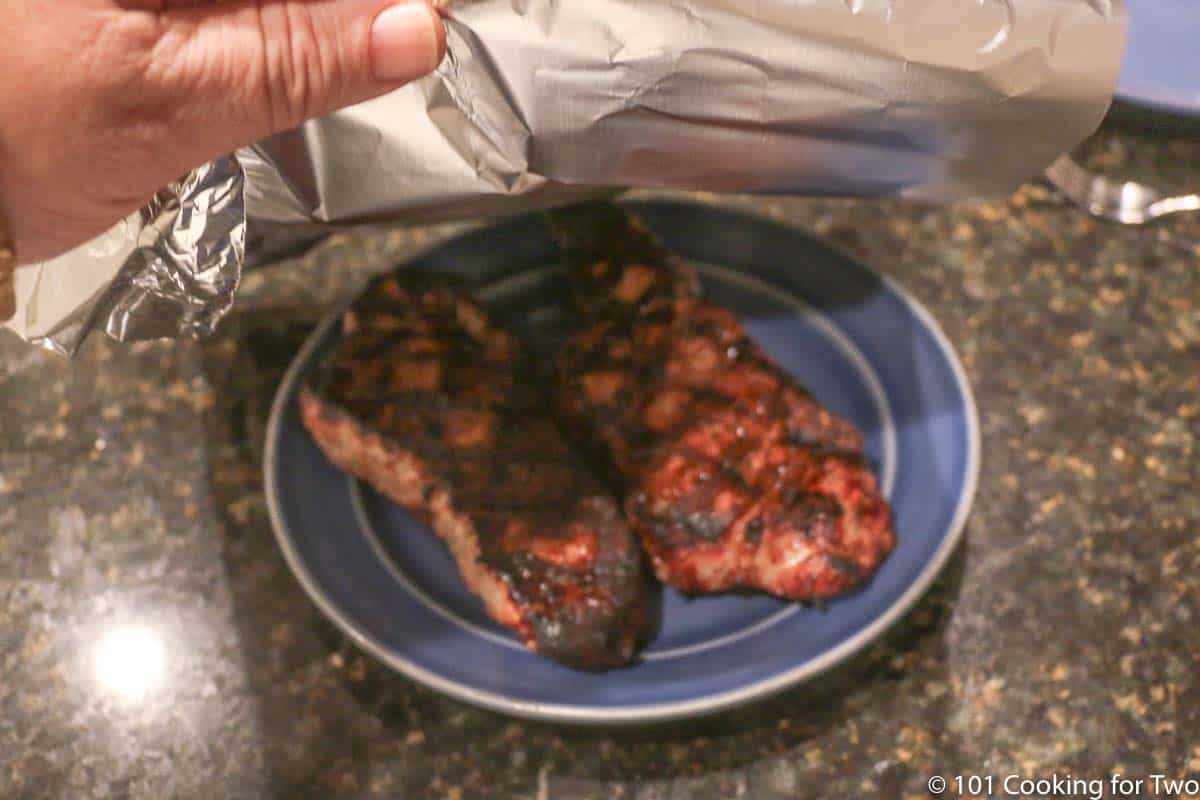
(732, 475)
(436, 407)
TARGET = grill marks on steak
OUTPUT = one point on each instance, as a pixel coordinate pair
(733, 476)
(434, 406)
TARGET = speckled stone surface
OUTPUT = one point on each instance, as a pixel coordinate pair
(1064, 638)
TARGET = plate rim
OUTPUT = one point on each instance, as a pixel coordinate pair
(656, 712)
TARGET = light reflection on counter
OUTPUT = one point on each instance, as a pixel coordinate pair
(130, 661)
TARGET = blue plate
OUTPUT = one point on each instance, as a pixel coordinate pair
(1161, 71)
(863, 346)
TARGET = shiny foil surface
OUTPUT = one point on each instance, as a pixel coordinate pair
(542, 101)
(170, 270)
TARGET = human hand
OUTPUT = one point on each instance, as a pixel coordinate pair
(103, 102)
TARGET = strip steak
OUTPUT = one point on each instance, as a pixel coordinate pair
(439, 409)
(732, 475)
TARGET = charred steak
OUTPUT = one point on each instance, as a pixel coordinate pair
(437, 408)
(732, 475)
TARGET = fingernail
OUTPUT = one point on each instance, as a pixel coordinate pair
(405, 42)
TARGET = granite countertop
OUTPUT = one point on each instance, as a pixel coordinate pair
(1064, 637)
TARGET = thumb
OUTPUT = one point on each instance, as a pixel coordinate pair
(268, 65)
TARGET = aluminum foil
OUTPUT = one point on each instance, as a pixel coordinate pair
(540, 101)
(169, 270)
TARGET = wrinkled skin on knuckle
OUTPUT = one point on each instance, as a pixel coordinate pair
(299, 67)
(277, 70)
(265, 64)
(293, 72)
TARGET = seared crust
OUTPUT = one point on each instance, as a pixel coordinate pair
(433, 405)
(733, 476)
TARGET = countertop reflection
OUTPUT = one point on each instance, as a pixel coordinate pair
(153, 643)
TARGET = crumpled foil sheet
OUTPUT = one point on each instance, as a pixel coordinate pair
(169, 270)
(541, 101)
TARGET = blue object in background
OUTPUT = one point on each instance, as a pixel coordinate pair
(1161, 71)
